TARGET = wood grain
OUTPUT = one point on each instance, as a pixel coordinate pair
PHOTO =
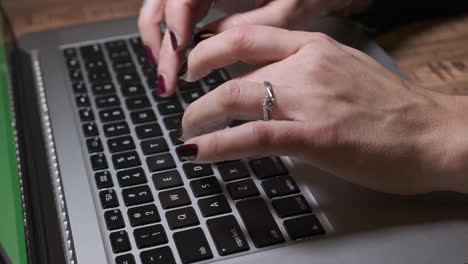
(433, 54)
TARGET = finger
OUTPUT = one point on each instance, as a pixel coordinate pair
(266, 138)
(167, 73)
(149, 23)
(234, 100)
(249, 44)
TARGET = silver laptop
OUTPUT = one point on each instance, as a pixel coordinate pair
(108, 186)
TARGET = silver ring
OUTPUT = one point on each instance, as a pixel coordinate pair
(269, 102)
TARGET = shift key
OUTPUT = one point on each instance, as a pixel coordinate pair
(259, 222)
(227, 235)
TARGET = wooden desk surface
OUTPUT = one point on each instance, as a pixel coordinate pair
(433, 54)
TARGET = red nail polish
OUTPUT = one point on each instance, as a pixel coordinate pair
(150, 55)
(161, 85)
(173, 40)
(187, 152)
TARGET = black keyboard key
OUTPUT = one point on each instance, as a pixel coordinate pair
(162, 255)
(103, 179)
(69, 53)
(108, 199)
(192, 95)
(116, 45)
(181, 218)
(128, 78)
(120, 144)
(259, 222)
(116, 129)
(173, 122)
(82, 100)
(132, 90)
(73, 63)
(174, 198)
(268, 167)
(99, 162)
(214, 79)
(86, 115)
(126, 160)
(215, 205)
(103, 88)
(205, 187)
(158, 98)
(124, 66)
(143, 116)
(154, 146)
(79, 87)
(76, 75)
(170, 107)
(150, 236)
(143, 215)
(160, 162)
(197, 170)
(94, 145)
(135, 103)
(280, 186)
(125, 259)
(227, 235)
(291, 206)
(96, 65)
(131, 177)
(148, 131)
(110, 115)
(167, 179)
(174, 136)
(137, 195)
(107, 101)
(192, 245)
(120, 55)
(233, 170)
(91, 51)
(114, 219)
(99, 76)
(137, 45)
(184, 86)
(303, 227)
(120, 242)
(90, 130)
(242, 189)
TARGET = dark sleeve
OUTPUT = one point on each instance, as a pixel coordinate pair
(383, 15)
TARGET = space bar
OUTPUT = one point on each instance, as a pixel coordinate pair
(259, 222)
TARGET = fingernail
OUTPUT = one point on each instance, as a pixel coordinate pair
(150, 55)
(200, 36)
(161, 85)
(173, 40)
(187, 152)
(183, 70)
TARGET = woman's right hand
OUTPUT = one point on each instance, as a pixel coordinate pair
(181, 16)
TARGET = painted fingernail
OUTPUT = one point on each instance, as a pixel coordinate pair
(202, 35)
(173, 40)
(150, 55)
(183, 70)
(187, 152)
(161, 85)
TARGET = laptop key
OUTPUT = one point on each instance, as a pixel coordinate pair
(79, 87)
(150, 236)
(181, 218)
(162, 255)
(94, 145)
(91, 51)
(154, 146)
(82, 100)
(135, 103)
(120, 242)
(259, 222)
(120, 144)
(205, 187)
(215, 205)
(125, 259)
(131, 177)
(90, 129)
(174, 198)
(132, 89)
(69, 53)
(96, 65)
(143, 116)
(120, 55)
(123, 66)
(173, 122)
(303, 227)
(160, 162)
(116, 45)
(192, 245)
(103, 179)
(143, 215)
(126, 160)
(110, 115)
(114, 219)
(107, 101)
(116, 129)
(227, 235)
(128, 78)
(167, 179)
(174, 136)
(76, 75)
(291, 206)
(213, 80)
(192, 95)
(268, 167)
(103, 88)
(108, 199)
(233, 170)
(73, 63)
(148, 131)
(99, 162)
(184, 86)
(137, 195)
(242, 189)
(99, 76)
(197, 170)
(86, 115)
(170, 107)
(280, 186)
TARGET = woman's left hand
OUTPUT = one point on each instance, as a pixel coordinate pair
(337, 108)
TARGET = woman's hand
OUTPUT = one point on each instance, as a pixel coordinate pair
(336, 108)
(181, 16)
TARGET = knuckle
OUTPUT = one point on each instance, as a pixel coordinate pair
(261, 134)
(242, 37)
(216, 148)
(230, 95)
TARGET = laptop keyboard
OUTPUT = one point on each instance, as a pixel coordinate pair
(156, 207)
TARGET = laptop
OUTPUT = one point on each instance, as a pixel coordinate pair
(101, 181)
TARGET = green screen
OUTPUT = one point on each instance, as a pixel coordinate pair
(12, 237)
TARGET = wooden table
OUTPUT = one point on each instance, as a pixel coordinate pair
(433, 54)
